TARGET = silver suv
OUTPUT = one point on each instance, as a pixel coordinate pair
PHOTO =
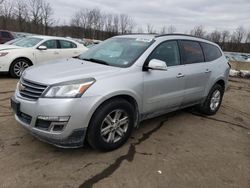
(101, 96)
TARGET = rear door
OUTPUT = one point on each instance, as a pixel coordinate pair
(163, 90)
(197, 71)
(69, 49)
(52, 52)
(213, 63)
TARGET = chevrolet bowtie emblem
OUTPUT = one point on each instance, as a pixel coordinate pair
(21, 87)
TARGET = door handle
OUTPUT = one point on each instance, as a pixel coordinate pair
(208, 71)
(180, 75)
(56, 53)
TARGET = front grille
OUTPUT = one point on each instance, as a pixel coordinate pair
(31, 90)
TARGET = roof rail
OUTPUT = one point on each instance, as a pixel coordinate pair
(154, 34)
(180, 34)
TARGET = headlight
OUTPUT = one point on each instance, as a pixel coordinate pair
(3, 54)
(69, 89)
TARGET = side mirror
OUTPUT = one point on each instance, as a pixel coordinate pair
(42, 48)
(156, 64)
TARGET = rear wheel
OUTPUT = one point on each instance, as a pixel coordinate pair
(213, 101)
(111, 125)
(18, 66)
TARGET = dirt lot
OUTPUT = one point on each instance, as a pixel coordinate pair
(177, 150)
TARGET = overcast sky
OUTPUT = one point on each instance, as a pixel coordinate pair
(183, 14)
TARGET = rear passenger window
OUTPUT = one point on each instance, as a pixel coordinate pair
(168, 52)
(191, 52)
(211, 52)
(67, 44)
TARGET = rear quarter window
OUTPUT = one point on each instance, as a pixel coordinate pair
(211, 52)
(191, 52)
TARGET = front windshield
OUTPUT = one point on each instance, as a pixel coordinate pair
(28, 42)
(120, 52)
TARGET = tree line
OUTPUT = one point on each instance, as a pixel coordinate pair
(37, 16)
(236, 41)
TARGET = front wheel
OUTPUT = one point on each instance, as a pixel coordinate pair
(18, 66)
(213, 101)
(111, 125)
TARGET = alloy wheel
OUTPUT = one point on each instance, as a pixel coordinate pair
(19, 67)
(215, 100)
(114, 126)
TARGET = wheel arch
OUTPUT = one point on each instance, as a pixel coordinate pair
(25, 58)
(128, 97)
(221, 82)
(19, 58)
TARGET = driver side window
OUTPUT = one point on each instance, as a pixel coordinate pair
(168, 52)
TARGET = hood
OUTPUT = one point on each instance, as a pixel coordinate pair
(67, 70)
(8, 47)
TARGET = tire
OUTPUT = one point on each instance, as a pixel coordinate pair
(18, 66)
(106, 131)
(213, 101)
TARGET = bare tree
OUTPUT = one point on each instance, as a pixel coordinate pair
(163, 30)
(198, 31)
(21, 14)
(35, 9)
(225, 35)
(126, 24)
(239, 34)
(215, 36)
(6, 12)
(108, 22)
(171, 29)
(47, 13)
(95, 21)
(248, 37)
(150, 28)
(116, 24)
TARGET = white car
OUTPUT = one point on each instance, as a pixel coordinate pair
(36, 50)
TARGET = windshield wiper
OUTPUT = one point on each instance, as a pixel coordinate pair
(96, 61)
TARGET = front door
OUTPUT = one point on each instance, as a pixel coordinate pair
(51, 53)
(163, 90)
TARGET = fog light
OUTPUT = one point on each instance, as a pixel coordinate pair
(57, 126)
(52, 123)
(54, 118)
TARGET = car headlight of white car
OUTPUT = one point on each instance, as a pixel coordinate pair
(3, 54)
(74, 89)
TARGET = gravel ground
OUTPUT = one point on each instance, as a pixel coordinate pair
(181, 149)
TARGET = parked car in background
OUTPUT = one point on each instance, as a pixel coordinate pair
(5, 36)
(36, 50)
(102, 96)
(14, 40)
(22, 34)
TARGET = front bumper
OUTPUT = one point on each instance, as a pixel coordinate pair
(4, 64)
(79, 111)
